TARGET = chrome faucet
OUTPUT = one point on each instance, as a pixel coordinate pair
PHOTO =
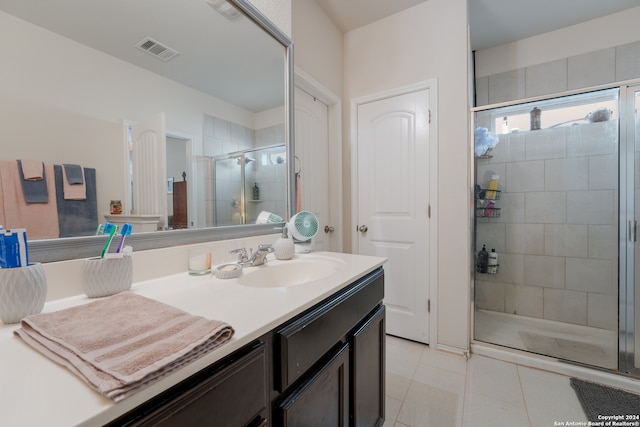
(243, 258)
(259, 256)
(256, 258)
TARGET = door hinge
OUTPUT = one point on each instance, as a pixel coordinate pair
(428, 306)
(429, 211)
(429, 116)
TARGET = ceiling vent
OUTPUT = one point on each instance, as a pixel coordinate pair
(156, 49)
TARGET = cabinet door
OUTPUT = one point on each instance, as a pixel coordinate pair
(323, 399)
(368, 371)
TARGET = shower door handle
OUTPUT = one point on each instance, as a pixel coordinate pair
(633, 230)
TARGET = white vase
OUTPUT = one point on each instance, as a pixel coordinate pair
(23, 291)
(106, 276)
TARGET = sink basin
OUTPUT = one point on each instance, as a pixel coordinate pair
(298, 271)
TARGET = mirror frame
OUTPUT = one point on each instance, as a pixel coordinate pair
(82, 247)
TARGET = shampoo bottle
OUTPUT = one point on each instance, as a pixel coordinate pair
(493, 186)
(489, 209)
(256, 191)
(492, 264)
(284, 247)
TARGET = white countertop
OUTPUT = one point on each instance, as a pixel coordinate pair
(34, 391)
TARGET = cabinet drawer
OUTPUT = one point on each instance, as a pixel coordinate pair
(233, 395)
(303, 342)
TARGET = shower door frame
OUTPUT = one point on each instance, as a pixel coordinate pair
(628, 231)
(628, 225)
(237, 155)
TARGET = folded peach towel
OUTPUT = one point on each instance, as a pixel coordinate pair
(33, 170)
(72, 190)
(122, 343)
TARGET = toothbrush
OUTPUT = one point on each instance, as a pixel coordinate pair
(100, 230)
(111, 230)
(125, 231)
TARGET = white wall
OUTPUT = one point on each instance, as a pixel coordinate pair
(319, 54)
(609, 31)
(318, 45)
(277, 11)
(428, 41)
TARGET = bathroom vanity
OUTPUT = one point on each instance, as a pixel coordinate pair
(322, 368)
(303, 354)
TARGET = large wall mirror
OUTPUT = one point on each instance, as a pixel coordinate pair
(180, 111)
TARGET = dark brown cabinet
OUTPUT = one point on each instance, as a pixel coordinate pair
(368, 370)
(233, 393)
(325, 367)
(180, 204)
(303, 341)
(334, 351)
(321, 400)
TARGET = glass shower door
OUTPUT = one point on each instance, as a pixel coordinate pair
(553, 222)
(228, 197)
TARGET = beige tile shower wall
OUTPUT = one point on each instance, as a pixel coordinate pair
(591, 69)
(557, 234)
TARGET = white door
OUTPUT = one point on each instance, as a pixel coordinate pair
(312, 161)
(393, 204)
(149, 171)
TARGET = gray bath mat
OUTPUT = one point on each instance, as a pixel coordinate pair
(599, 401)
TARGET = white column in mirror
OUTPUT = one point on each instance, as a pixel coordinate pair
(149, 168)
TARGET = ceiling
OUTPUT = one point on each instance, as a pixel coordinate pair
(492, 22)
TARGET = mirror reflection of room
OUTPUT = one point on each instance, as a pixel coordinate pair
(70, 98)
(247, 172)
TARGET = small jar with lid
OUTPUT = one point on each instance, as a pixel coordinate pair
(115, 207)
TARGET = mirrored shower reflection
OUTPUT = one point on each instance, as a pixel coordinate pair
(247, 183)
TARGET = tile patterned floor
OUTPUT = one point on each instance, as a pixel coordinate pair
(426, 387)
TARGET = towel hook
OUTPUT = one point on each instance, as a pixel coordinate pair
(297, 159)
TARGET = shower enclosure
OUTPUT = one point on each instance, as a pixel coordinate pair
(562, 223)
(246, 183)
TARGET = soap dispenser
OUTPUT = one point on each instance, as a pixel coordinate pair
(284, 248)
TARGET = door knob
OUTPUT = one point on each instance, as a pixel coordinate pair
(363, 229)
(328, 229)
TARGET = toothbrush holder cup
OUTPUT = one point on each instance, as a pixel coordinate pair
(102, 277)
(23, 291)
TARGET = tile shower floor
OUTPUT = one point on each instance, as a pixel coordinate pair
(592, 346)
(426, 387)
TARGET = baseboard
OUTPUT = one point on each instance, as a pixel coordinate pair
(453, 350)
